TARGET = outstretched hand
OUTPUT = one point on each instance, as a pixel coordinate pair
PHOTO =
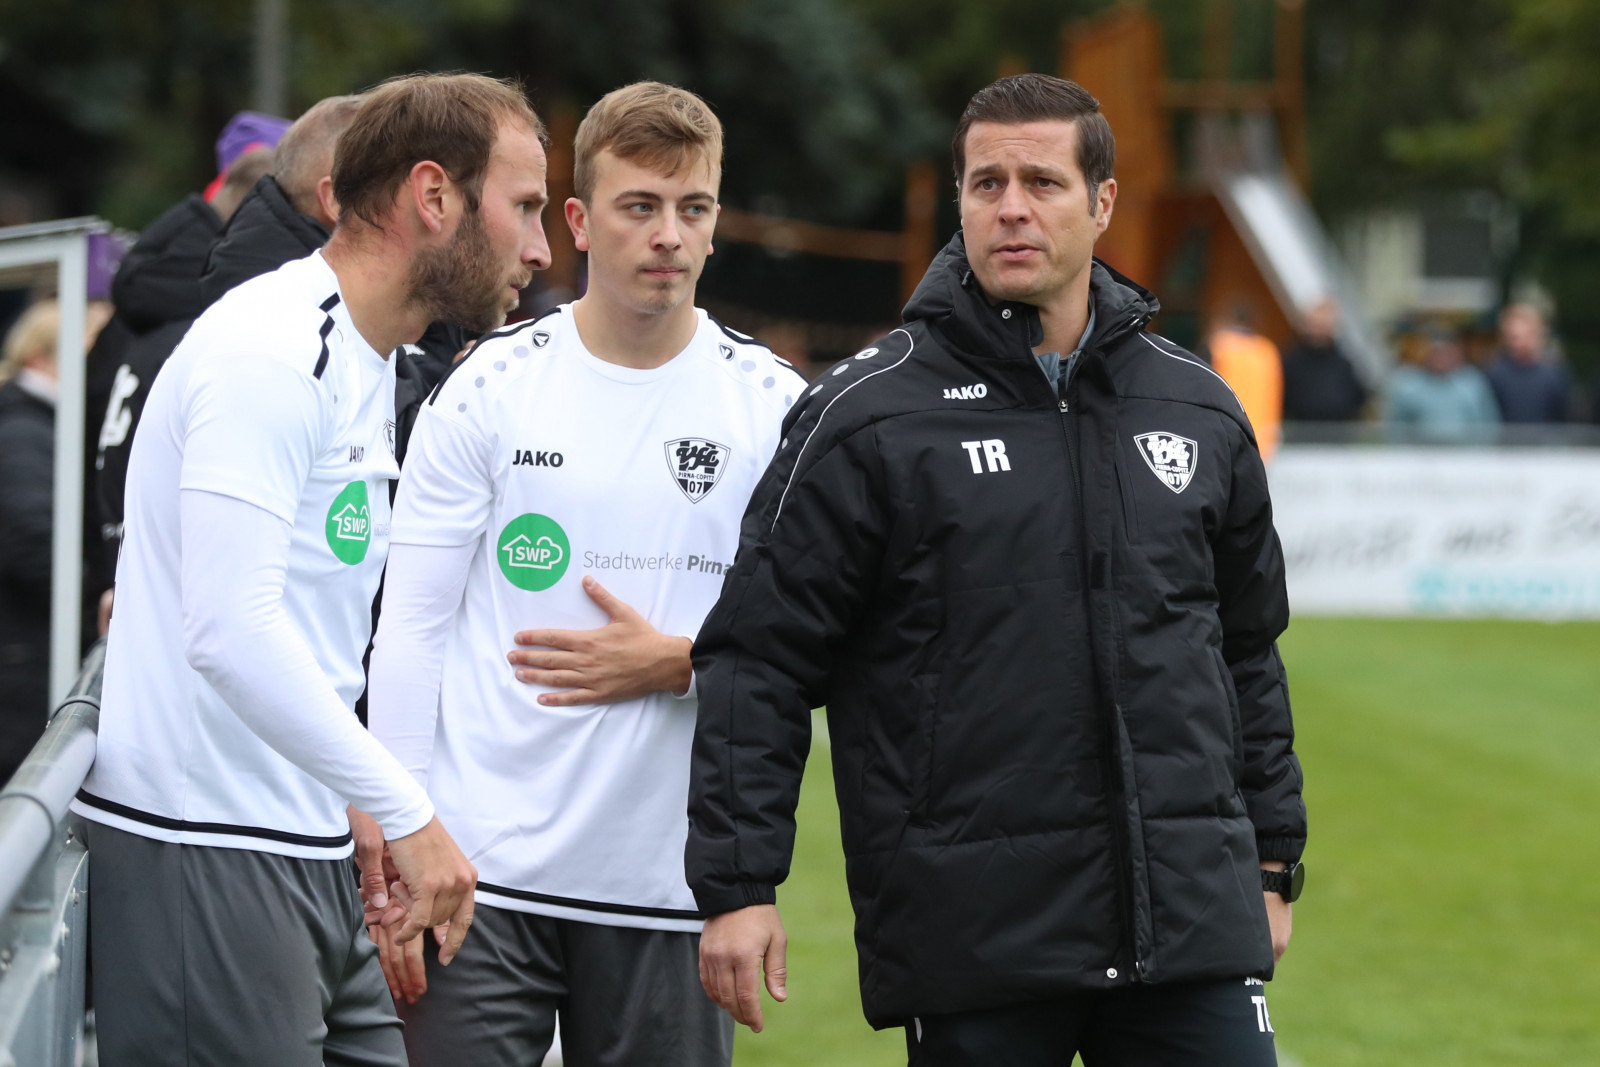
(625, 659)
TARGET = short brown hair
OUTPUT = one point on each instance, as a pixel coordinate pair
(1040, 97)
(449, 119)
(647, 123)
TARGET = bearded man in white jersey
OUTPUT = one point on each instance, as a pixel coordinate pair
(226, 925)
(617, 438)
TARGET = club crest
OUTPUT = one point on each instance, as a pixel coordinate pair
(696, 465)
(1171, 457)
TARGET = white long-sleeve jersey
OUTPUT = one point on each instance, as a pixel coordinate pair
(256, 532)
(536, 463)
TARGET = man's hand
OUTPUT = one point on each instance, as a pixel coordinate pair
(736, 949)
(403, 966)
(434, 888)
(622, 660)
(370, 861)
(103, 614)
(1280, 915)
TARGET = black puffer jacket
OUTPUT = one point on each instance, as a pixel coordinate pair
(27, 465)
(264, 233)
(156, 293)
(1044, 632)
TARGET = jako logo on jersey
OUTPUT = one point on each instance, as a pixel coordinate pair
(533, 551)
(349, 524)
(540, 339)
(993, 452)
(1171, 457)
(696, 465)
(525, 458)
(967, 392)
(726, 350)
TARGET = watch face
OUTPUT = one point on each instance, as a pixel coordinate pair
(1297, 881)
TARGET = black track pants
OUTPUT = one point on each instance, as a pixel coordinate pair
(1198, 1024)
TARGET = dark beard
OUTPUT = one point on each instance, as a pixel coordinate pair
(460, 282)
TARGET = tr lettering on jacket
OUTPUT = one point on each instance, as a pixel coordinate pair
(990, 454)
(525, 458)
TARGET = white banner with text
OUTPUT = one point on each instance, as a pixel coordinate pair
(1440, 531)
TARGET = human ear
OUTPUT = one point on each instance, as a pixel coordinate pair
(326, 200)
(432, 195)
(1105, 197)
(578, 222)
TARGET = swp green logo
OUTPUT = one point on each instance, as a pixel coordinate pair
(533, 552)
(350, 524)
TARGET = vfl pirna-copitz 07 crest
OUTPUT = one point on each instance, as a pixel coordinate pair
(696, 465)
(1171, 457)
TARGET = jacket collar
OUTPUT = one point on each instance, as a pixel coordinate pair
(950, 301)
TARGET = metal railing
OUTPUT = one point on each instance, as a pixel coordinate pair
(44, 885)
(1498, 435)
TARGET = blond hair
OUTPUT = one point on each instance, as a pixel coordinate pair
(648, 123)
(33, 334)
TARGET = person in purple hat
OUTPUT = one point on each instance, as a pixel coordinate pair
(245, 132)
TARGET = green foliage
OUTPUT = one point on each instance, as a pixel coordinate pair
(1377, 74)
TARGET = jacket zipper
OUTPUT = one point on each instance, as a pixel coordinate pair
(1119, 831)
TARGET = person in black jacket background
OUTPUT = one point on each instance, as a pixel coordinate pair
(1023, 551)
(156, 293)
(1319, 383)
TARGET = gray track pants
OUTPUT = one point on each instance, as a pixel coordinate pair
(219, 956)
(627, 998)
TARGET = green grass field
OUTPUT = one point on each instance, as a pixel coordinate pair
(1452, 915)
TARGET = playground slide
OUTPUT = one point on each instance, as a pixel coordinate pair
(1298, 261)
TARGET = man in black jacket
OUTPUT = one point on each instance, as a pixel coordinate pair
(1041, 610)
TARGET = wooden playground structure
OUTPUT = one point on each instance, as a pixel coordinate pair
(1178, 228)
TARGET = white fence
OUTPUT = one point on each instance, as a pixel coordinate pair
(1398, 530)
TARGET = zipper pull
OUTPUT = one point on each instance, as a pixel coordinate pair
(1062, 404)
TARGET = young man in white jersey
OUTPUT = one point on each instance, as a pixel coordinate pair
(226, 926)
(617, 438)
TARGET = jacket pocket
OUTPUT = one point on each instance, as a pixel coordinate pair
(1236, 724)
(1130, 502)
(926, 695)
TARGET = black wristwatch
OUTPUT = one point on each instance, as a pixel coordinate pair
(1287, 884)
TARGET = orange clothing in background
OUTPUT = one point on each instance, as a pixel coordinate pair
(1251, 365)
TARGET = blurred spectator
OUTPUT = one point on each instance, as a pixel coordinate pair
(1319, 384)
(1444, 401)
(1250, 364)
(27, 463)
(290, 212)
(1530, 384)
(157, 296)
(246, 132)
